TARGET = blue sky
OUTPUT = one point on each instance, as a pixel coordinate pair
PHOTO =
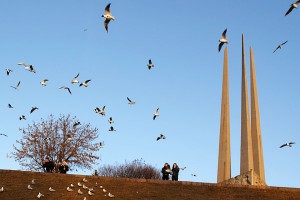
(181, 38)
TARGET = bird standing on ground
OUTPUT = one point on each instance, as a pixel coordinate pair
(29, 187)
(44, 82)
(79, 191)
(150, 65)
(111, 195)
(223, 40)
(39, 195)
(69, 189)
(74, 80)
(293, 5)
(289, 144)
(108, 16)
(161, 137)
(84, 180)
(280, 46)
(156, 114)
(130, 102)
(17, 86)
(51, 189)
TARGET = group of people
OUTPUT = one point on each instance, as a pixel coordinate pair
(49, 165)
(167, 171)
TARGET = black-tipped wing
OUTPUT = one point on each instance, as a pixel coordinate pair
(107, 9)
(290, 10)
(106, 24)
(276, 49)
(76, 76)
(129, 99)
(224, 33)
(284, 43)
(150, 62)
(283, 145)
(220, 46)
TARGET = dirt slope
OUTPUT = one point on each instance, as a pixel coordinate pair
(15, 187)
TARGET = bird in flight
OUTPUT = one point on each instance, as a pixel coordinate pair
(44, 82)
(10, 106)
(161, 137)
(183, 168)
(150, 65)
(33, 109)
(156, 114)
(289, 144)
(293, 5)
(74, 80)
(22, 117)
(280, 46)
(101, 144)
(193, 174)
(85, 83)
(17, 86)
(66, 88)
(108, 16)
(3, 134)
(27, 67)
(8, 71)
(130, 102)
(223, 40)
(111, 129)
(100, 111)
(76, 124)
(110, 120)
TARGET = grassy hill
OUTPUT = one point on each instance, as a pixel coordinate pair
(15, 187)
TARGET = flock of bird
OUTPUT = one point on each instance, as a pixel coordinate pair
(91, 191)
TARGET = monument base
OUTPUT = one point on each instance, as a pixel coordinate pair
(248, 178)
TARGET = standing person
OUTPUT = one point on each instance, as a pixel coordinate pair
(48, 165)
(175, 172)
(166, 170)
(63, 168)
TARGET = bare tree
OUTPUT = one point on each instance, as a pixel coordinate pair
(62, 139)
(135, 169)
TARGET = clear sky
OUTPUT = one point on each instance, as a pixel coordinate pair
(181, 38)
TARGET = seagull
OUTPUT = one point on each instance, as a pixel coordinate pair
(130, 102)
(280, 46)
(111, 129)
(33, 181)
(101, 146)
(111, 195)
(79, 191)
(193, 174)
(44, 82)
(79, 184)
(27, 67)
(66, 88)
(29, 187)
(84, 198)
(17, 87)
(110, 120)
(90, 193)
(10, 106)
(108, 16)
(223, 40)
(84, 180)
(104, 190)
(39, 195)
(100, 111)
(293, 5)
(8, 71)
(74, 80)
(289, 144)
(183, 168)
(33, 109)
(84, 187)
(85, 83)
(76, 124)
(161, 137)
(22, 117)
(71, 185)
(150, 65)
(3, 134)
(51, 189)
(69, 189)
(47, 139)
(156, 114)
(1, 189)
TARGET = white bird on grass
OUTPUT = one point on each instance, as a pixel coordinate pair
(90, 193)
(223, 40)
(1, 189)
(84, 180)
(79, 191)
(111, 195)
(84, 187)
(108, 16)
(69, 189)
(39, 195)
(79, 184)
(51, 189)
(33, 181)
(29, 187)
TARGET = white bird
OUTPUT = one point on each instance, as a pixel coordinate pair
(104, 190)
(69, 189)
(79, 191)
(85, 83)
(91, 189)
(39, 195)
(289, 144)
(44, 82)
(150, 65)
(156, 114)
(51, 189)
(293, 5)
(22, 117)
(90, 193)
(223, 40)
(84, 198)
(101, 186)
(27, 67)
(1, 189)
(280, 46)
(74, 80)
(66, 88)
(161, 137)
(71, 185)
(84, 187)
(108, 16)
(111, 195)
(33, 109)
(29, 187)
(79, 184)
(84, 180)
(130, 102)
(100, 111)
(8, 71)
(110, 120)
(33, 181)
(17, 86)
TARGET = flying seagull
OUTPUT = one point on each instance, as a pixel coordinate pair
(44, 82)
(150, 65)
(76, 124)
(101, 146)
(108, 16)
(161, 137)
(289, 144)
(22, 117)
(130, 102)
(280, 46)
(51, 189)
(29, 187)
(156, 114)
(100, 111)
(293, 5)
(111, 129)
(3, 134)
(223, 40)
(74, 80)
(110, 120)
(39, 195)
(183, 168)
(66, 88)
(33, 109)
(17, 86)
(27, 67)
(8, 71)
(193, 174)
(10, 106)
(85, 83)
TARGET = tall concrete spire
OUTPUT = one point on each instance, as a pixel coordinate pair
(246, 161)
(258, 158)
(224, 162)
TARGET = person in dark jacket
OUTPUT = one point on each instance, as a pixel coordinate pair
(175, 172)
(166, 170)
(48, 165)
(63, 168)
